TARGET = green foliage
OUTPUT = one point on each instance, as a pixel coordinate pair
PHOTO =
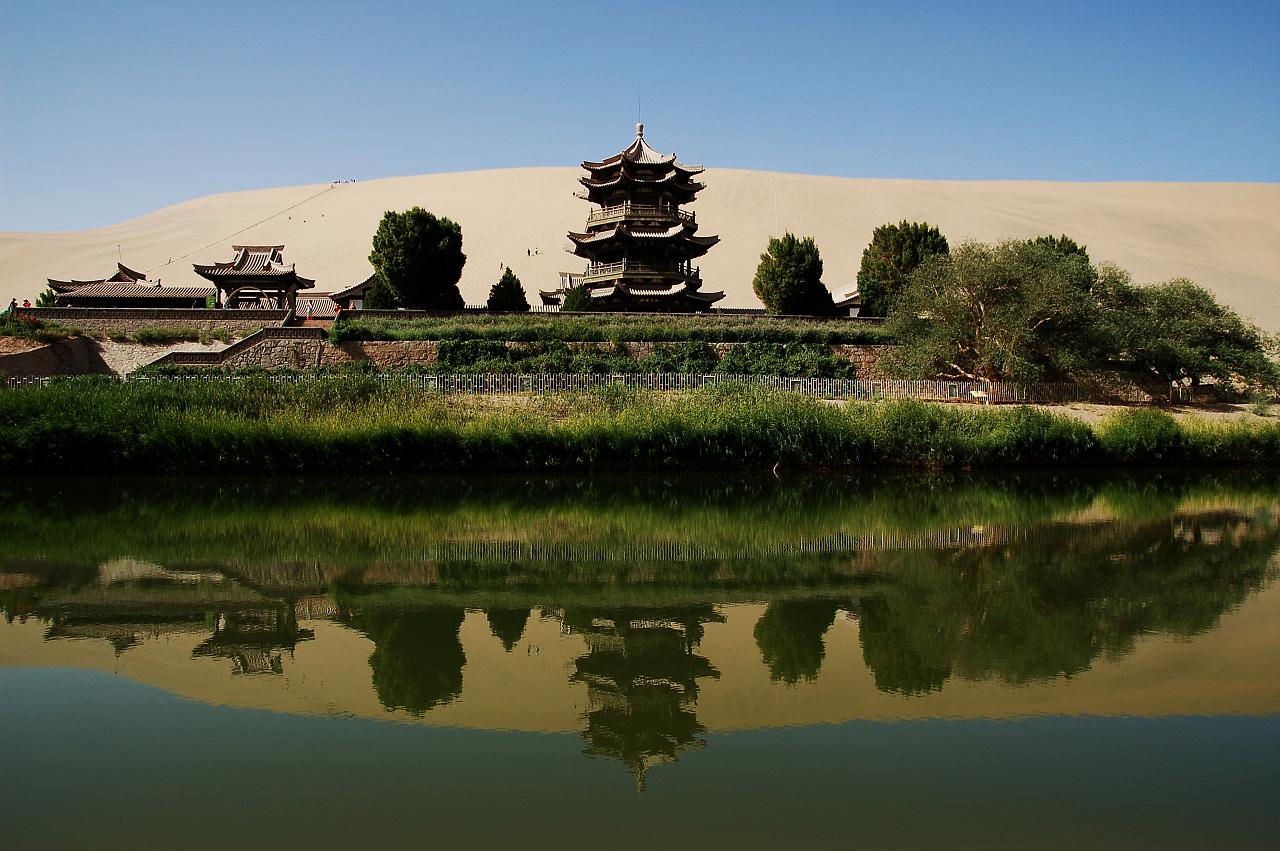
(1015, 311)
(381, 295)
(789, 278)
(47, 298)
(507, 294)
(1064, 245)
(1178, 331)
(16, 325)
(419, 259)
(577, 299)
(493, 356)
(613, 328)
(356, 422)
(1143, 436)
(894, 253)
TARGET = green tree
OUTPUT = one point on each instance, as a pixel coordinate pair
(380, 295)
(789, 278)
(419, 259)
(1014, 311)
(47, 298)
(1178, 330)
(1064, 245)
(507, 294)
(894, 253)
(577, 299)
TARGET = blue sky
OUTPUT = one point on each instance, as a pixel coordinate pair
(109, 110)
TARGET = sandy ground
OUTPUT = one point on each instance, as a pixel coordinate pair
(1226, 236)
(1212, 413)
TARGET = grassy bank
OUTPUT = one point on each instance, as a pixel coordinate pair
(608, 329)
(358, 423)
(27, 328)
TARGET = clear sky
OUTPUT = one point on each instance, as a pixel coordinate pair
(109, 110)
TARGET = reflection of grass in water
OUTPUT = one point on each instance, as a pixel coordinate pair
(354, 524)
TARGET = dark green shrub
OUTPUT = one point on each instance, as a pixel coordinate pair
(1142, 436)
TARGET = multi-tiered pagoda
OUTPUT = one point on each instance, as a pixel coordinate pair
(640, 243)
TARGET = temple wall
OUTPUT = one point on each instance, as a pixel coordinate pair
(102, 320)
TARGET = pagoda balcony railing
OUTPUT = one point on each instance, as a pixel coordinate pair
(607, 271)
(628, 210)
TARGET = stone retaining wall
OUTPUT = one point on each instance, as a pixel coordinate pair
(100, 320)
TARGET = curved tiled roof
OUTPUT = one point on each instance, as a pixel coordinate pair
(641, 153)
(254, 261)
(115, 289)
(123, 275)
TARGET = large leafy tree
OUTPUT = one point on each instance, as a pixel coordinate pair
(507, 294)
(1014, 311)
(894, 253)
(1178, 331)
(789, 278)
(418, 257)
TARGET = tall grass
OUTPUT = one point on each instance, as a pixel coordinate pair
(360, 423)
(608, 329)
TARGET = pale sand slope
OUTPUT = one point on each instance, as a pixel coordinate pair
(1226, 236)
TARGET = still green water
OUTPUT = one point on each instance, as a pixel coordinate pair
(1041, 661)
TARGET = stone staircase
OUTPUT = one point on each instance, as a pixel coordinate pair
(268, 348)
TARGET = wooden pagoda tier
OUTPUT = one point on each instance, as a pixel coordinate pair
(639, 242)
(256, 277)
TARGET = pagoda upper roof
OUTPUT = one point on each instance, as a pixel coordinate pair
(256, 262)
(622, 177)
(641, 153)
(123, 275)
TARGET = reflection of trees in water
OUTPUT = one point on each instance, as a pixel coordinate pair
(790, 637)
(417, 657)
(254, 640)
(507, 625)
(641, 672)
(1053, 605)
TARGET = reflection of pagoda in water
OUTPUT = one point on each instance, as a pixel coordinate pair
(254, 639)
(641, 674)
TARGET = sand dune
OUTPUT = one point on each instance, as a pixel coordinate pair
(1226, 236)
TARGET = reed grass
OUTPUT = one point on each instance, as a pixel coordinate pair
(361, 423)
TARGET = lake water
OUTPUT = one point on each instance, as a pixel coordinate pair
(891, 661)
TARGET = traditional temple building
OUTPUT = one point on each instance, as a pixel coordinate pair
(127, 288)
(256, 277)
(640, 243)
